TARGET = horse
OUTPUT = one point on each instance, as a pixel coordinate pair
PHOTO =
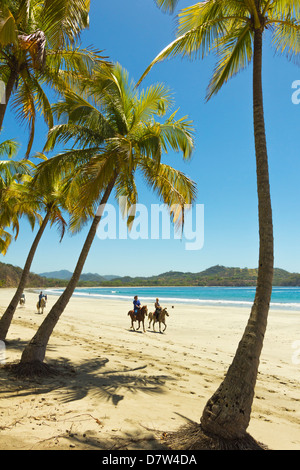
(140, 317)
(161, 318)
(40, 306)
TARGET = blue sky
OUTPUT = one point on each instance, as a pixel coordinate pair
(223, 163)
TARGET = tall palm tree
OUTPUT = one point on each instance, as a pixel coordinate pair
(27, 196)
(234, 31)
(38, 50)
(117, 135)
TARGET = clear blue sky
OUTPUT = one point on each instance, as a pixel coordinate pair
(223, 163)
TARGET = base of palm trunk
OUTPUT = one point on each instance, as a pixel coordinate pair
(32, 369)
(192, 437)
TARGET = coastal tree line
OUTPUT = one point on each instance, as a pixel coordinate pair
(214, 276)
(110, 128)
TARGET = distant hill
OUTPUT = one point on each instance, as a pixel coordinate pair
(10, 276)
(66, 275)
(213, 276)
(63, 274)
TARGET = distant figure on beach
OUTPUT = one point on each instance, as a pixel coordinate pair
(157, 308)
(136, 305)
(22, 299)
(40, 298)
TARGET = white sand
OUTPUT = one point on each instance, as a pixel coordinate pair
(128, 385)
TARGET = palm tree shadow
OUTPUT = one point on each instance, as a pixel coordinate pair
(111, 385)
(88, 378)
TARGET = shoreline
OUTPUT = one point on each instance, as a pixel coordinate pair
(288, 306)
(136, 383)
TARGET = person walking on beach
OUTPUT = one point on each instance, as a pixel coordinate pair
(136, 305)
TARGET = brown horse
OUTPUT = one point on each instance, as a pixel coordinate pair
(161, 318)
(140, 317)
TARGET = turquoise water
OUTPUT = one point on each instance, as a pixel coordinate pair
(282, 297)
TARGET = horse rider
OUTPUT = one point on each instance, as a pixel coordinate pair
(136, 305)
(40, 298)
(157, 308)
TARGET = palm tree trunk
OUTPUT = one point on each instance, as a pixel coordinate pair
(8, 91)
(227, 413)
(35, 351)
(9, 313)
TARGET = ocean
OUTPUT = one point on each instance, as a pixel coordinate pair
(282, 297)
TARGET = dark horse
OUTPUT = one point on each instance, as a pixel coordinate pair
(140, 317)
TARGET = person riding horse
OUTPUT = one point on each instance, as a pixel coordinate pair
(157, 308)
(136, 305)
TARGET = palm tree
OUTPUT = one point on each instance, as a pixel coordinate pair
(117, 135)
(31, 198)
(234, 31)
(9, 171)
(38, 50)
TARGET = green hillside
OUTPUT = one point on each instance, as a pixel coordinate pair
(214, 276)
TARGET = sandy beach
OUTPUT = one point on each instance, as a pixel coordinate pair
(122, 389)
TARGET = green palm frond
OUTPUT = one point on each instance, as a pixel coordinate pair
(226, 28)
(5, 241)
(111, 134)
(167, 5)
(63, 20)
(8, 28)
(174, 188)
(127, 196)
(235, 52)
(198, 29)
(283, 9)
(286, 37)
(156, 99)
(24, 107)
(178, 135)
(9, 148)
(39, 49)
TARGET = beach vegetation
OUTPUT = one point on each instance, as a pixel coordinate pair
(234, 32)
(117, 132)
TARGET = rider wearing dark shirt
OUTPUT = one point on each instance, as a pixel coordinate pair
(136, 305)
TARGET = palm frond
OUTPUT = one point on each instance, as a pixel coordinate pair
(156, 99)
(177, 135)
(63, 20)
(167, 5)
(286, 37)
(235, 52)
(173, 187)
(5, 241)
(9, 148)
(8, 28)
